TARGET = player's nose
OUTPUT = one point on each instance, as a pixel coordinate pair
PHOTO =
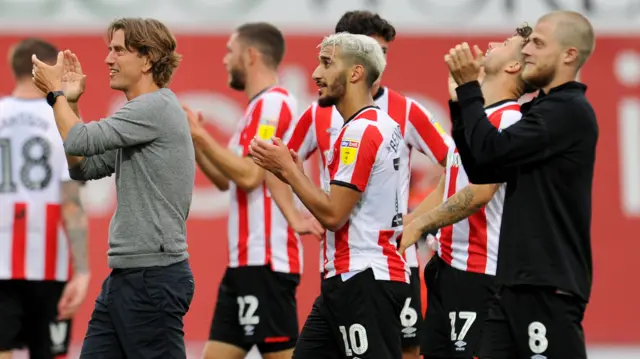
(316, 74)
(109, 60)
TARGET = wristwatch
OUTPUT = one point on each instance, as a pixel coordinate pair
(52, 96)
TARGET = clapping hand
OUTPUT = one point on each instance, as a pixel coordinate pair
(196, 120)
(48, 77)
(275, 158)
(464, 66)
(73, 80)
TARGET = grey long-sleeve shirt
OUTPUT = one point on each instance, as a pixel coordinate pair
(147, 144)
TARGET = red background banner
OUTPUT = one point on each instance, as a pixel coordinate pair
(415, 67)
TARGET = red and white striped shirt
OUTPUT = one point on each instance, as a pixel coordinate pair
(318, 127)
(258, 231)
(366, 157)
(33, 243)
(472, 244)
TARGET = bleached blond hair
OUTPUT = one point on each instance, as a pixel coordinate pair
(359, 50)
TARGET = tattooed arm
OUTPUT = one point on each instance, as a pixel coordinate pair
(457, 207)
(75, 222)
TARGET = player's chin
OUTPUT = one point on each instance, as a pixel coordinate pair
(326, 101)
(116, 85)
(530, 73)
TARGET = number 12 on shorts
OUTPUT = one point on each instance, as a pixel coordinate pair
(468, 317)
(247, 307)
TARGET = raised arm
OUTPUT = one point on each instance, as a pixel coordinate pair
(333, 208)
(476, 173)
(272, 116)
(94, 167)
(209, 169)
(546, 129)
(137, 122)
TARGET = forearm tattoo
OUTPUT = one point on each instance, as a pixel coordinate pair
(456, 208)
(76, 223)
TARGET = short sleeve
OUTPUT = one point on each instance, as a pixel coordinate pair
(504, 118)
(425, 134)
(356, 154)
(271, 116)
(301, 135)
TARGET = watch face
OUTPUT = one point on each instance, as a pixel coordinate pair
(52, 95)
(51, 98)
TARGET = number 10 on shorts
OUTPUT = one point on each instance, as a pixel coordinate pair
(355, 339)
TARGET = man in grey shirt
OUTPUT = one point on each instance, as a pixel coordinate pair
(147, 144)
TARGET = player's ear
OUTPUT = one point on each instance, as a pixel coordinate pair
(146, 66)
(570, 55)
(251, 55)
(357, 73)
(513, 67)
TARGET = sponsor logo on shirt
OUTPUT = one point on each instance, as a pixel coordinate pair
(267, 128)
(349, 151)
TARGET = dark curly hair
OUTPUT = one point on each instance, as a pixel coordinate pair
(524, 31)
(366, 23)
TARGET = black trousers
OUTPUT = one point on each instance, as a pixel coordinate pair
(139, 314)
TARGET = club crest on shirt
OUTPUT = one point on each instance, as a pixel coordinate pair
(267, 128)
(349, 151)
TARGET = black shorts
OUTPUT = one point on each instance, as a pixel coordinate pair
(533, 322)
(411, 314)
(256, 306)
(28, 311)
(457, 304)
(139, 314)
(359, 317)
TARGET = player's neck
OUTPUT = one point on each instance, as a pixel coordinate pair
(498, 88)
(143, 86)
(259, 80)
(560, 79)
(354, 101)
(26, 89)
(375, 88)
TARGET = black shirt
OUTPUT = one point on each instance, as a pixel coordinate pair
(547, 160)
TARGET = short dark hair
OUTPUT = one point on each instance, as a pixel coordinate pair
(366, 23)
(21, 53)
(150, 37)
(266, 38)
